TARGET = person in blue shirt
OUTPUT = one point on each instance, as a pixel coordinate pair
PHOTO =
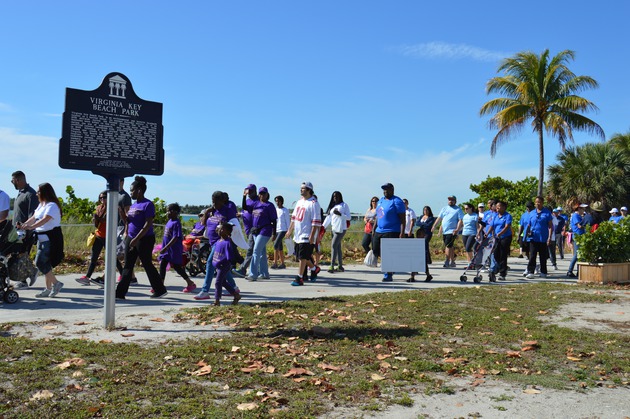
(450, 220)
(561, 229)
(539, 230)
(577, 227)
(470, 230)
(501, 228)
(389, 222)
(615, 217)
(523, 239)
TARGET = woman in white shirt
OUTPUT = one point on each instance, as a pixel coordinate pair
(46, 221)
(338, 217)
(282, 225)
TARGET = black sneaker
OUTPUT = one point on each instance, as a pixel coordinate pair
(155, 296)
(100, 281)
(134, 281)
(428, 278)
(571, 275)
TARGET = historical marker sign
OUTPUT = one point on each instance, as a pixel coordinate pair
(111, 130)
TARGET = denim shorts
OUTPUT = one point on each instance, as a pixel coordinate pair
(277, 245)
(42, 259)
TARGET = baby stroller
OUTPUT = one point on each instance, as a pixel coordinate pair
(12, 265)
(196, 252)
(484, 247)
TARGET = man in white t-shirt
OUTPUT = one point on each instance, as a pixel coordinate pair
(306, 221)
(4, 205)
(410, 219)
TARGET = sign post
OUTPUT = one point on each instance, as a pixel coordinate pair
(113, 133)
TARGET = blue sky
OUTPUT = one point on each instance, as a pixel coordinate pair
(346, 94)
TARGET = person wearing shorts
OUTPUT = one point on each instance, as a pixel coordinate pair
(306, 222)
(284, 219)
(470, 230)
(450, 221)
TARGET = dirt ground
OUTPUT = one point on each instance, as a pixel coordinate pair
(488, 398)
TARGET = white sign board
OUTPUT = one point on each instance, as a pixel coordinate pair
(403, 255)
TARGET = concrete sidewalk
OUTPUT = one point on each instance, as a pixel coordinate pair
(81, 307)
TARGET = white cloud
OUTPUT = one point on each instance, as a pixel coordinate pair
(439, 50)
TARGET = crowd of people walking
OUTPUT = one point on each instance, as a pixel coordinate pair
(542, 234)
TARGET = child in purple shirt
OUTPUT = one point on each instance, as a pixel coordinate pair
(172, 248)
(222, 262)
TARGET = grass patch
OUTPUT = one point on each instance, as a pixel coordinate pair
(304, 358)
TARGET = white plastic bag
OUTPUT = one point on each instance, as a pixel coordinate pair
(370, 260)
(290, 246)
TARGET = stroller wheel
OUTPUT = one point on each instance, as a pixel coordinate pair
(11, 297)
(477, 279)
(192, 269)
(463, 278)
(493, 277)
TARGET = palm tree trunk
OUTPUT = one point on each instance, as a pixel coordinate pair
(541, 168)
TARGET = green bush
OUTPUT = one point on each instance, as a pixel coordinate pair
(610, 243)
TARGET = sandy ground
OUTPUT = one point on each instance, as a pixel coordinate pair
(78, 313)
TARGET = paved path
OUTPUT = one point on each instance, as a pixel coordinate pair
(86, 302)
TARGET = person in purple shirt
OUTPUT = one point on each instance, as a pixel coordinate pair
(264, 218)
(248, 220)
(223, 254)
(221, 211)
(501, 227)
(139, 241)
(173, 248)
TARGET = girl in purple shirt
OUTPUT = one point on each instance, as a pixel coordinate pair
(173, 249)
(139, 241)
(222, 262)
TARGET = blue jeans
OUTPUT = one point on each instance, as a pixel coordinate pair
(575, 256)
(207, 281)
(259, 266)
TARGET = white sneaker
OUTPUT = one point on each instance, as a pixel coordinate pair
(43, 294)
(537, 269)
(530, 276)
(19, 284)
(202, 296)
(56, 288)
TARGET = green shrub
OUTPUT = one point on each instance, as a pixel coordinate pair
(610, 243)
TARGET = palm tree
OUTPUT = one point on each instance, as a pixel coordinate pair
(621, 142)
(592, 172)
(543, 90)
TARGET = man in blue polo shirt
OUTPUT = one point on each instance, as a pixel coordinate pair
(539, 226)
(451, 218)
(390, 222)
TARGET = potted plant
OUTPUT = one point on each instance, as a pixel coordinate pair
(604, 255)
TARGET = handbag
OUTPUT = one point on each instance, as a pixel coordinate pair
(91, 238)
(370, 260)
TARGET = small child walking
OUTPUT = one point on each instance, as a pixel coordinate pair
(222, 261)
(172, 248)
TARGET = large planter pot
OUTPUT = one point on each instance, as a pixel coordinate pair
(604, 273)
